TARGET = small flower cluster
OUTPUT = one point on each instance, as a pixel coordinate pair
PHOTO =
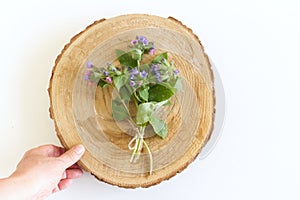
(152, 74)
(142, 43)
(101, 76)
(137, 76)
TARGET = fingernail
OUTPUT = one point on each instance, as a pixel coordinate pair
(79, 149)
(64, 175)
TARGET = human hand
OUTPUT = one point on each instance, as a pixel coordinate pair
(45, 170)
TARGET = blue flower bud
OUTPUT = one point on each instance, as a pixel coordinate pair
(134, 71)
(134, 42)
(89, 64)
(143, 74)
(176, 72)
(132, 83)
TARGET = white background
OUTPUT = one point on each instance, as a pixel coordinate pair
(255, 47)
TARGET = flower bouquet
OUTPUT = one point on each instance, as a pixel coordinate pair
(146, 85)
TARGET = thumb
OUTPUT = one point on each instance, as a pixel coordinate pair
(71, 156)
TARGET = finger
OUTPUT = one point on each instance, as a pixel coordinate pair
(64, 183)
(71, 156)
(64, 175)
(48, 150)
(62, 150)
(56, 189)
(75, 166)
(56, 152)
(73, 173)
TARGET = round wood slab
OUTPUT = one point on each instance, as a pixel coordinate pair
(82, 113)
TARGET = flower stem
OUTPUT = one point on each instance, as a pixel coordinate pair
(138, 63)
(138, 147)
(150, 156)
(126, 108)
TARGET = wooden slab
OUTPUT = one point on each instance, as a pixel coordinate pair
(82, 114)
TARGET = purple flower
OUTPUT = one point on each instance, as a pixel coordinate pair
(132, 83)
(176, 72)
(145, 41)
(154, 68)
(88, 72)
(105, 73)
(134, 42)
(108, 64)
(87, 75)
(157, 75)
(108, 80)
(158, 78)
(152, 51)
(143, 74)
(134, 71)
(89, 64)
(142, 40)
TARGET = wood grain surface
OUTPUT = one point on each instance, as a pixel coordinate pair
(82, 114)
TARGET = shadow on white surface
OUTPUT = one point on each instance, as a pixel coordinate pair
(219, 114)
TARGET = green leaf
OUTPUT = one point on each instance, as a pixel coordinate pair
(160, 104)
(159, 126)
(119, 110)
(145, 67)
(125, 92)
(158, 58)
(144, 94)
(136, 54)
(178, 85)
(125, 59)
(137, 97)
(102, 83)
(160, 92)
(144, 112)
(167, 85)
(95, 76)
(118, 72)
(120, 81)
(163, 132)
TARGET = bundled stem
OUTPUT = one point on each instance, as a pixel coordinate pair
(139, 141)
